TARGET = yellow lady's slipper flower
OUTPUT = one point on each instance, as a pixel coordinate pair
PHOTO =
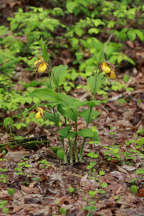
(41, 65)
(105, 67)
(39, 113)
(112, 74)
(39, 109)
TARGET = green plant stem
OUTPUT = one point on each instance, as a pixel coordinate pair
(75, 143)
(56, 122)
(82, 149)
(83, 143)
(65, 157)
(70, 152)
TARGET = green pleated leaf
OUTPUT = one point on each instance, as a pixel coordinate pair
(86, 132)
(47, 95)
(59, 74)
(64, 131)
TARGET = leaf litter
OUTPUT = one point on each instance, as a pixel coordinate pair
(41, 189)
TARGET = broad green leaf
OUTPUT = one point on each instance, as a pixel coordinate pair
(60, 154)
(98, 22)
(72, 114)
(53, 97)
(86, 132)
(111, 24)
(74, 42)
(131, 34)
(122, 57)
(92, 84)
(64, 131)
(87, 116)
(47, 95)
(59, 74)
(8, 122)
(69, 112)
(69, 101)
(71, 6)
(52, 116)
(93, 31)
(96, 82)
(92, 103)
(140, 34)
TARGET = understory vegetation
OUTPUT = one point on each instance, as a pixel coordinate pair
(71, 102)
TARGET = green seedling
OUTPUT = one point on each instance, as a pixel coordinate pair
(44, 162)
(11, 191)
(71, 190)
(134, 189)
(104, 185)
(2, 206)
(92, 193)
(101, 172)
(3, 178)
(62, 211)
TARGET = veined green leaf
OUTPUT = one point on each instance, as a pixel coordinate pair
(59, 74)
(64, 131)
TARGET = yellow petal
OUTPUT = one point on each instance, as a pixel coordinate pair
(39, 109)
(42, 67)
(37, 62)
(38, 115)
(105, 68)
(113, 74)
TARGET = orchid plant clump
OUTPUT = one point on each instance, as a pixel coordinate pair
(65, 111)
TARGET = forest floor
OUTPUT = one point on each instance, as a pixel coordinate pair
(43, 186)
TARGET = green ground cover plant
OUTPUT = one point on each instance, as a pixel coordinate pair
(51, 57)
(33, 40)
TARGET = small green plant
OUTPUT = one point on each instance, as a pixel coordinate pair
(91, 208)
(91, 167)
(112, 153)
(2, 206)
(20, 166)
(11, 191)
(62, 211)
(104, 185)
(134, 189)
(92, 193)
(3, 178)
(101, 172)
(44, 163)
(71, 189)
(140, 171)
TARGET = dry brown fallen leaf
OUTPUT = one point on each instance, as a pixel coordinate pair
(30, 190)
(16, 155)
